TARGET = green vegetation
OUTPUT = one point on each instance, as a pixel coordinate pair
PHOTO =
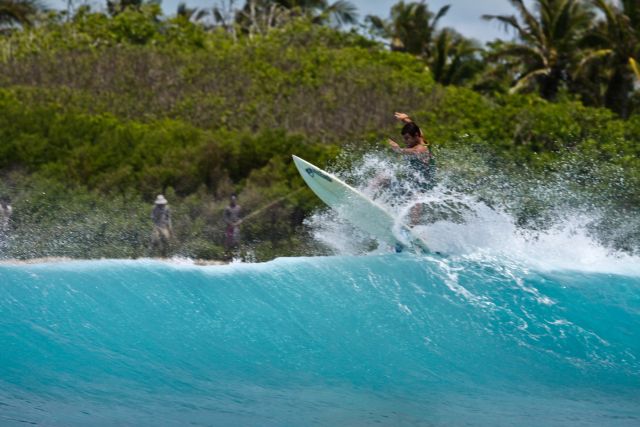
(101, 112)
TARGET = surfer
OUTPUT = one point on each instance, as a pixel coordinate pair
(422, 164)
(419, 155)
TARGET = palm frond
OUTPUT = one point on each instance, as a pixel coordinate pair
(343, 12)
(634, 67)
(606, 10)
(528, 80)
(508, 22)
(531, 22)
(20, 12)
(442, 12)
(521, 51)
(591, 57)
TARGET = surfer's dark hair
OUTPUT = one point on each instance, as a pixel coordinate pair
(411, 129)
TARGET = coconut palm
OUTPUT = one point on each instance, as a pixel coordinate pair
(223, 12)
(260, 15)
(454, 59)
(19, 13)
(341, 12)
(320, 11)
(614, 45)
(115, 7)
(190, 13)
(546, 44)
(411, 27)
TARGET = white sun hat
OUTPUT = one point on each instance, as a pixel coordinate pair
(160, 200)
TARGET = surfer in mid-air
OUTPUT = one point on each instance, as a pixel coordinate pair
(421, 160)
(419, 155)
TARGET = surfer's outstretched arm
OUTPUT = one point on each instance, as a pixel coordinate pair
(413, 150)
(394, 145)
(404, 118)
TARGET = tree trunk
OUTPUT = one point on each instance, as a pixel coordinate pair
(619, 88)
(550, 84)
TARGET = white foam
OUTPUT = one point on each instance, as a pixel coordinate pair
(478, 231)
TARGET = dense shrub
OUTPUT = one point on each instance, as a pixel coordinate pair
(99, 114)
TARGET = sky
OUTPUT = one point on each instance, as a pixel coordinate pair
(464, 15)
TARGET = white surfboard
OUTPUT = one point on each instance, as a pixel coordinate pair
(357, 208)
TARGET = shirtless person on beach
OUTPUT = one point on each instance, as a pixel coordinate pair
(231, 216)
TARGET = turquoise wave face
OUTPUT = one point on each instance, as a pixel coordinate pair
(386, 340)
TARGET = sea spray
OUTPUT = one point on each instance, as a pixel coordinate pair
(474, 210)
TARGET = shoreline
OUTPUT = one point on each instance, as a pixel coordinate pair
(54, 260)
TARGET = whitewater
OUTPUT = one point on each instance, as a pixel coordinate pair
(503, 327)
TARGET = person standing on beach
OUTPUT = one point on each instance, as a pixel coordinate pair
(5, 217)
(162, 230)
(232, 221)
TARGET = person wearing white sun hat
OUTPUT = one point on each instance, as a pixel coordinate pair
(162, 230)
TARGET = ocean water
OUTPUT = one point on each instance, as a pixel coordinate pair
(383, 339)
(512, 326)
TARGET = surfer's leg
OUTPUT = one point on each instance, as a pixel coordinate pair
(414, 214)
(380, 183)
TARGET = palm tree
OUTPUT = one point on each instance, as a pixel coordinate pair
(546, 43)
(190, 13)
(411, 27)
(115, 7)
(225, 15)
(260, 15)
(454, 59)
(19, 13)
(614, 45)
(341, 12)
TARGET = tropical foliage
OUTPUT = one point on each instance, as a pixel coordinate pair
(546, 43)
(613, 45)
(411, 28)
(18, 13)
(99, 112)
